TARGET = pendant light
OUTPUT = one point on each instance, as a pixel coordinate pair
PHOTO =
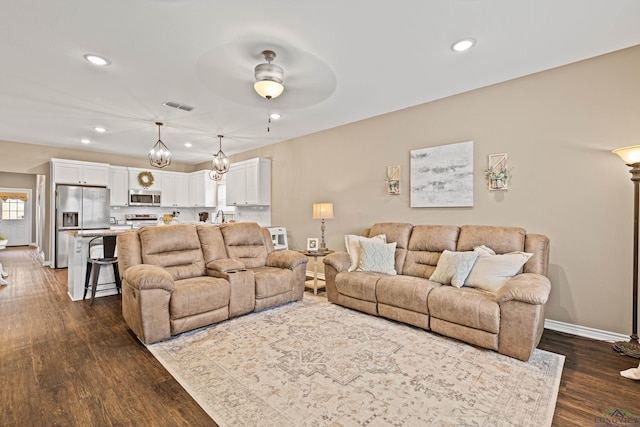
(269, 77)
(220, 162)
(215, 175)
(159, 156)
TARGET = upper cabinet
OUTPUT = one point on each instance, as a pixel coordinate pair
(147, 176)
(119, 185)
(82, 173)
(202, 190)
(175, 189)
(249, 183)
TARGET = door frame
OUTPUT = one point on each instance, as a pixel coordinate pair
(28, 211)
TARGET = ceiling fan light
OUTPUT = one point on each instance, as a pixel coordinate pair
(268, 89)
(269, 77)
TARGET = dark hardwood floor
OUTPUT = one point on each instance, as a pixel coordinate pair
(68, 364)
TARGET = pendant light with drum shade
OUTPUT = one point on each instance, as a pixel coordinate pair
(220, 163)
(159, 156)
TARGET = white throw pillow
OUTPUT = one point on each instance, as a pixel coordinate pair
(453, 267)
(351, 242)
(491, 271)
(378, 257)
(483, 250)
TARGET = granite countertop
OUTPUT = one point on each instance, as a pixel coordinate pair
(97, 233)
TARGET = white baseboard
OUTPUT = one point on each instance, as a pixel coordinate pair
(583, 331)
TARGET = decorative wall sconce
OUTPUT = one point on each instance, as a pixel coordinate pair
(498, 174)
(393, 180)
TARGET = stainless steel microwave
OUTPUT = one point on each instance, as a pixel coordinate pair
(144, 198)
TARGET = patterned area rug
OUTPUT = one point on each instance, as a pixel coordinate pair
(312, 363)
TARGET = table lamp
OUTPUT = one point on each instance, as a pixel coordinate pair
(322, 211)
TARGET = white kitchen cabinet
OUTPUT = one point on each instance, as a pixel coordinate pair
(202, 190)
(82, 173)
(135, 185)
(249, 183)
(175, 189)
(119, 185)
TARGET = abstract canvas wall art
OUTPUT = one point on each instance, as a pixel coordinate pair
(442, 176)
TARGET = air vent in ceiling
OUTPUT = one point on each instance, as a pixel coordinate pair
(177, 105)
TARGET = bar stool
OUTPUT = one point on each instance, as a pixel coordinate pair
(95, 263)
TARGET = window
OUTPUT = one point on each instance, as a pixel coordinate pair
(12, 209)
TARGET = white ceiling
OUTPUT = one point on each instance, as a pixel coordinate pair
(343, 61)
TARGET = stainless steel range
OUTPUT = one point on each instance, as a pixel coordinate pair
(140, 220)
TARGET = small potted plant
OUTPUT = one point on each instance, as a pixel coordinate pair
(3, 242)
(498, 177)
(393, 185)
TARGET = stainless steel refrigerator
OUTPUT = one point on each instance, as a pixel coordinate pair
(78, 208)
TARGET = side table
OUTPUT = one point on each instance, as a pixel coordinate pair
(315, 255)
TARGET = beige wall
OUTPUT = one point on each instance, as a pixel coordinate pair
(558, 127)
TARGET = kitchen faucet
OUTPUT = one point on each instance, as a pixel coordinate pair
(220, 211)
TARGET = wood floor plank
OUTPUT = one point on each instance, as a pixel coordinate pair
(68, 363)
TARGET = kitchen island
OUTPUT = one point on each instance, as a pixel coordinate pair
(77, 266)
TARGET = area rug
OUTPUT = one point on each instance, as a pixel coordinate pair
(312, 363)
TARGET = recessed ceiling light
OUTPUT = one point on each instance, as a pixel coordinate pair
(85, 140)
(188, 144)
(96, 60)
(100, 129)
(462, 45)
(275, 116)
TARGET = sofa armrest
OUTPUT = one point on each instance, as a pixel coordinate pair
(340, 261)
(286, 259)
(147, 276)
(225, 265)
(530, 288)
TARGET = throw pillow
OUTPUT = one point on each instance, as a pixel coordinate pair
(453, 267)
(491, 271)
(351, 241)
(378, 257)
(483, 250)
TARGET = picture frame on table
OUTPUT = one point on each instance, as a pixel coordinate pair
(312, 244)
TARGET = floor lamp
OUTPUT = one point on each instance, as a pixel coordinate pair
(631, 156)
(322, 211)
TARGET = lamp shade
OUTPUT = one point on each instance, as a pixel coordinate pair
(323, 211)
(268, 89)
(630, 155)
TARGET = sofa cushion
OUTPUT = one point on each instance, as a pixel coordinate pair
(396, 232)
(377, 257)
(453, 268)
(176, 248)
(501, 239)
(490, 272)
(469, 307)
(352, 244)
(212, 242)
(245, 241)
(405, 292)
(358, 284)
(272, 281)
(198, 295)
(426, 244)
